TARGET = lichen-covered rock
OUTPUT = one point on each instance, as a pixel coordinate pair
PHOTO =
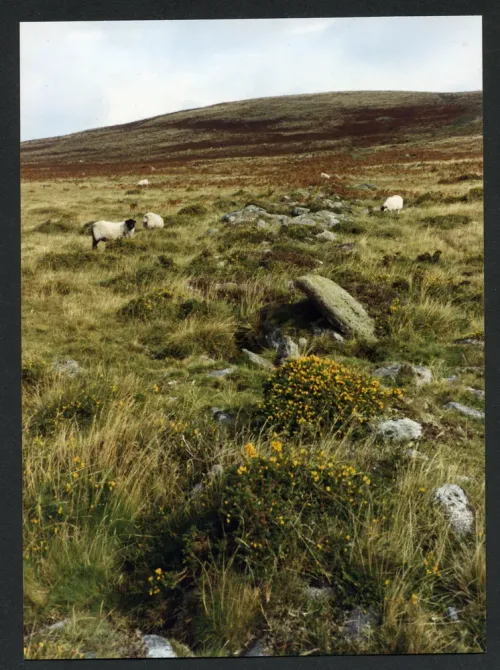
(158, 647)
(221, 373)
(326, 217)
(326, 236)
(343, 311)
(319, 594)
(456, 507)
(479, 393)
(287, 349)
(463, 409)
(405, 372)
(400, 430)
(360, 623)
(258, 648)
(68, 367)
(298, 211)
(223, 418)
(258, 360)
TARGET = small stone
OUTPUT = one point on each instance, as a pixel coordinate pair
(258, 360)
(366, 187)
(224, 418)
(302, 342)
(326, 217)
(416, 455)
(90, 655)
(287, 349)
(319, 594)
(456, 507)
(221, 373)
(400, 430)
(326, 236)
(451, 380)
(477, 392)
(463, 409)
(67, 367)
(452, 614)
(469, 340)
(212, 231)
(298, 211)
(257, 649)
(360, 623)
(262, 224)
(221, 264)
(158, 647)
(420, 374)
(347, 246)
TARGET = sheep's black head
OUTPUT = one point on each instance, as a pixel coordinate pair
(130, 223)
(383, 208)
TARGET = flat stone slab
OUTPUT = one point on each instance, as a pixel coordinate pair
(400, 430)
(260, 361)
(466, 411)
(455, 505)
(343, 311)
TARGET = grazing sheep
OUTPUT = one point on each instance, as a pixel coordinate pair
(102, 231)
(325, 176)
(393, 204)
(152, 220)
(143, 182)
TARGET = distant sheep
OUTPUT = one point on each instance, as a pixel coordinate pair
(143, 182)
(393, 204)
(325, 176)
(152, 220)
(102, 231)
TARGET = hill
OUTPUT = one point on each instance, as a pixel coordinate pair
(265, 127)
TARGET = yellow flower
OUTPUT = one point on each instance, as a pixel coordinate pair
(414, 598)
(250, 450)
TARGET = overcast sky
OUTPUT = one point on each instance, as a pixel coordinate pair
(81, 75)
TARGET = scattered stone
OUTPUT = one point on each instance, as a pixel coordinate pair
(366, 187)
(319, 594)
(339, 307)
(59, 625)
(282, 219)
(297, 211)
(305, 220)
(262, 224)
(451, 380)
(287, 349)
(285, 198)
(400, 430)
(469, 340)
(221, 264)
(212, 231)
(418, 374)
(463, 409)
(258, 648)
(326, 217)
(452, 614)
(326, 236)
(246, 215)
(258, 360)
(158, 647)
(347, 246)
(273, 335)
(221, 373)
(67, 367)
(224, 418)
(335, 206)
(360, 623)
(456, 507)
(416, 455)
(90, 655)
(477, 392)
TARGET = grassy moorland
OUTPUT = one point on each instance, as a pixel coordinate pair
(118, 534)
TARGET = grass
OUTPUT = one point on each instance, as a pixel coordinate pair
(112, 456)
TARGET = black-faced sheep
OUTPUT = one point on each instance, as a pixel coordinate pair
(393, 204)
(102, 231)
(152, 220)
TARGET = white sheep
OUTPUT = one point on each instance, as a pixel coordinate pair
(393, 204)
(152, 220)
(325, 176)
(143, 182)
(102, 231)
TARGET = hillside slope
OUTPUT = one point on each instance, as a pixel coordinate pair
(260, 127)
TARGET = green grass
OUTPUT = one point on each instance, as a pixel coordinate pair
(111, 457)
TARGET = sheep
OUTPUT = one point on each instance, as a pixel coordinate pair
(393, 204)
(102, 231)
(325, 176)
(143, 182)
(152, 220)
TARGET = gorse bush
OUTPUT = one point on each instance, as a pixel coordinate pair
(152, 305)
(313, 393)
(292, 503)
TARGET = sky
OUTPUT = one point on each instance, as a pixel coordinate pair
(81, 75)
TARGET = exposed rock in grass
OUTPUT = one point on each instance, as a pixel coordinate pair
(416, 455)
(158, 647)
(298, 211)
(258, 360)
(304, 220)
(287, 349)
(326, 217)
(262, 224)
(347, 246)
(221, 373)
(212, 231)
(400, 430)
(360, 623)
(326, 236)
(456, 507)
(258, 648)
(366, 187)
(418, 374)
(452, 614)
(224, 418)
(479, 393)
(451, 380)
(339, 307)
(69, 367)
(216, 471)
(319, 594)
(466, 411)
(469, 340)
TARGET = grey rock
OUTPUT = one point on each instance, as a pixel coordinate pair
(262, 224)
(420, 374)
(226, 286)
(302, 342)
(319, 594)
(222, 417)
(298, 211)
(282, 219)
(326, 236)
(258, 648)
(416, 455)
(273, 335)
(347, 246)
(479, 393)
(59, 625)
(451, 380)
(464, 478)
(221, 264)
(342, 310)
(212, 231)
(400, 430)
(366, 187)
(463, 409)
(305, 220)
(456, 507)
(285, 198)
(326, 217)
(287, 349)
(68, 367)
(221, 373)
(158, 647)
(469, 340)
(334, 206)
(452, 614)
(360, 623)
(258, 360)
